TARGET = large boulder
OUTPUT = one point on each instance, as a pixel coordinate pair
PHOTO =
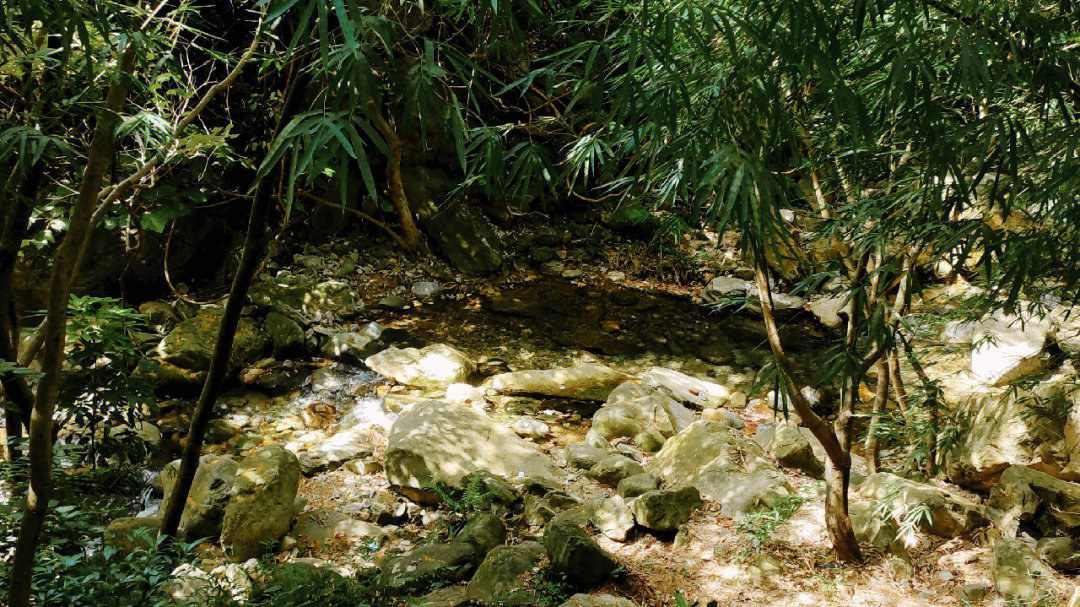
(319, 528)
(1006, 429)
(1061, 553)
(881, 532)
(210, 492)
(665, 509)
(612, 469)
(436, 442)
(949, 515)
(723, 464)
(584, 381)
(574, 554)
(505, 573)
(611, 517)
(1024, 496)
(191, 344)
(434, 366)
(1008, 347)
(630, 414)
(261, 507)
(790, 446)
(428, 566)
(686, 389)
(132, 533)
(307, 298)
(1018, 571)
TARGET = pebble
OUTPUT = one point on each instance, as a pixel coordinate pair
(530, 428)
(427, 289)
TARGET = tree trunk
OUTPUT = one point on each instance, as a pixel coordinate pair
(60, 281)
(16, 219)
(838, 462)
(881, 396)
(254, 247)
(409, 232)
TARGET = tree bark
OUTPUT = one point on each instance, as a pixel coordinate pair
(254, 246)
(60, 281)
(881, 396)
(16, 220)
(409, 232)
(838, 462)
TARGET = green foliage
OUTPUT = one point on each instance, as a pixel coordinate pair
(761, 524)
(105, 398)
(472, 498)
(911, 520)
(297, 585)
(109, 577)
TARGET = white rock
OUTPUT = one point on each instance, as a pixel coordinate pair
(530, 428)
(728, 286)
(464, 394)
(686, 389)
(426, 290)
(828, 309)
(1006, 348)
(958, 333)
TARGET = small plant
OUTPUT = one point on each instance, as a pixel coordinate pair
(472, 498)
(760, 525)
(680, 601)
(105, 399)
(909, 520)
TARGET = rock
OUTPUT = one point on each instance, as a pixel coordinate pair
(191, 344)
(392, 302)
(211, 490)
(320, 527)
(881, 533)
(427, 566)
(434, 366)
(828, 310)
(132, 533)
(349, 347)
(504, 574)
(665, 509)
(584, 381)
(638, 484)
(611, 516)
(343, 446)
(432, 441)
(972, 593)
(631, 217)
(574, 554)
(307, 298)
(1028, 497)
(158, 314)
(597, 600)
(1002, 431)
(1061, 553)
(530, 428)
(540, 509)
(723, 465)
(949, 515)
(628, 418)
(726, 287)
(791, 448)
(582, 457)
(427, 290)
(1008, 348)
(465, 237)
(286, 335)
(1017, 570)
(613, 468)
(451, 596)
(701, 393)
(958, 333)
(764, 566)
(189, 585)
(261, 507)
(483, 532)
(219, 431)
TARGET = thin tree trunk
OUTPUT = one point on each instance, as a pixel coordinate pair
(16, 221)
(60, 281)
(881, 396)
(409, 232)
(254, 247)
(838, 462)
(897, 381)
